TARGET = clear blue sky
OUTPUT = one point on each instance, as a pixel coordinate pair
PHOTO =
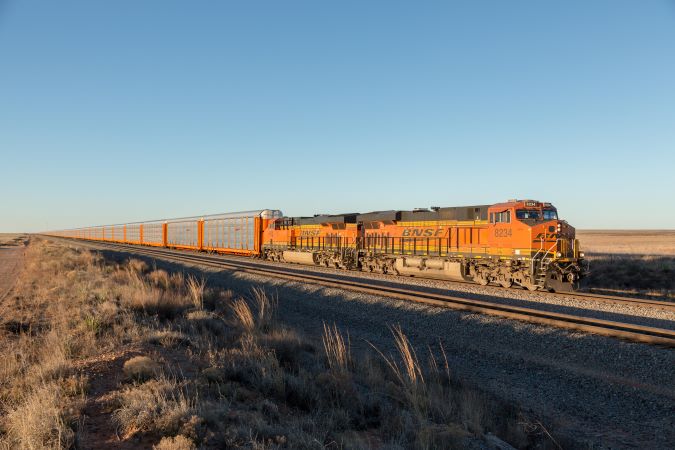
(115, 111)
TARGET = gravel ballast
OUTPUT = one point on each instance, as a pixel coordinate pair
(600, 390)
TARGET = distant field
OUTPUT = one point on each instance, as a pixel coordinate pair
(630, 261)
(627, 242)
(11, 238)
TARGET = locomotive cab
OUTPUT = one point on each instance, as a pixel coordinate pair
(531, 232)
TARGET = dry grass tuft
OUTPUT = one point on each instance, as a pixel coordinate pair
(265, 306)
(338, 353)
(195, 288)
(168, 338)
(157, 405)
(179, 442)
(409, 372)
(243, 315)
(141, 368)
(38, 421)
(138, 266)
(160, 278)
(142, 296)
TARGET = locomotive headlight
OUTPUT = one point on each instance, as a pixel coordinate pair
(558, 254)
(581, 254)
(559, 227)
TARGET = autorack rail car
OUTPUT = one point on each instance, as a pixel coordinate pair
(519, 242)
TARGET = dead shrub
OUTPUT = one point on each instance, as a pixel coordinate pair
(168, 338)
(52, 357)
(107, 312)
(206, 322)
(177, 280)
(213, 375)
(137, 265)
(179, 442)
(160, 278)
(141, 368)
(291, 351)
(149, 299)
(157, 405)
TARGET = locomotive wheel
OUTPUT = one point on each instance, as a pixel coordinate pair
(483, 281)
(506, 283)
(530, 286)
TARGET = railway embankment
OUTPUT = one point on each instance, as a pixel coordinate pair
(594, 389)
(98, 353)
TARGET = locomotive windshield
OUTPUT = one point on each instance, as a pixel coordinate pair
(535, 214)
(550, 214)
(527, 214)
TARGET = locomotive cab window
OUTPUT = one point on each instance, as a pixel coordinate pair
(550, 214)
(525, 214)
(501, 217)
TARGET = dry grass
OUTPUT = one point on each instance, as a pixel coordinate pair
(38, 420)
(338, 352)
(175, 443)
(627, 242)
(12, 239)
(156, 405)
(141, 368)
(243, 315)
(196, 287)
(631, 262)
(232, 376)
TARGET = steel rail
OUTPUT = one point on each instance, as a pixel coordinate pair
(598, 297)
(632, 332)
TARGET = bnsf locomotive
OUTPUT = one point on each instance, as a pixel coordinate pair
(519, 242)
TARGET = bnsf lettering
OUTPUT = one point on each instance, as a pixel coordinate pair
(418, 232)
(503, 232)
(547, 236)
(310, 233)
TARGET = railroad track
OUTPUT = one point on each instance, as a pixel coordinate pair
(666, 305)
(627, 331)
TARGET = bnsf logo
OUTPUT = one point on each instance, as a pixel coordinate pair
(548, 236)
(419, 232)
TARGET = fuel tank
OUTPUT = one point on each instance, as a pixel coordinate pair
(307, 258)
(430, 268)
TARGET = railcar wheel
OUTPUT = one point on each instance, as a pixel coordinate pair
(506, 283)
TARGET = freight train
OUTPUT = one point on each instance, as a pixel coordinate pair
(519, 242)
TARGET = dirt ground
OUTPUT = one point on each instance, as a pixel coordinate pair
(627, 242)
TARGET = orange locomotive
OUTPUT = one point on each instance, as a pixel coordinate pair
(519, 242)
